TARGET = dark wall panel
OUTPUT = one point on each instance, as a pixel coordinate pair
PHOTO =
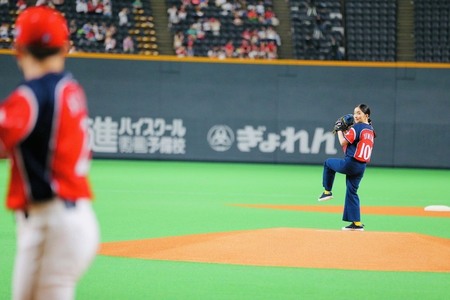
(257, 112)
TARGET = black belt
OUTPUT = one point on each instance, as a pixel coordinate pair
(67, 204)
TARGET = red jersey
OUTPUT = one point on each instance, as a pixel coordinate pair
(44, 130)
(361, 139)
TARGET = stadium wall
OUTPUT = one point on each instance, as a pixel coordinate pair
(275, 112)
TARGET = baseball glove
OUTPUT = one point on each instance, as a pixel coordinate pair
(343, 123)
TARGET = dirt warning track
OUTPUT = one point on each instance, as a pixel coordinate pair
(366, 210)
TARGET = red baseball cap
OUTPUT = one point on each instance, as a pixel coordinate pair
(41, 26)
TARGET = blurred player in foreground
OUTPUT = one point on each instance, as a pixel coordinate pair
(356, 136)
(43, 130)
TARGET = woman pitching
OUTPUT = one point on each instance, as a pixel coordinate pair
(357, 142)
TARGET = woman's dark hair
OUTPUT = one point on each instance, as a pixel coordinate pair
(366, 110)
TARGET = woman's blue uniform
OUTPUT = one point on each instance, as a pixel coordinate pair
(357, 154)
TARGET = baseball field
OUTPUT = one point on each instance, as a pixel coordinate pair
(192, 230)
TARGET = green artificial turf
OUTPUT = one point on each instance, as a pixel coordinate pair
(148, 199)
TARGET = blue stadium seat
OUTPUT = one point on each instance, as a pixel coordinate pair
(331, 25)
(373, 22)
(431, 30)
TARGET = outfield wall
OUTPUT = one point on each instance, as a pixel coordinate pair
(279, 112)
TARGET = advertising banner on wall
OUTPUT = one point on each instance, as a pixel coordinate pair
(144, 136)
(158, 137)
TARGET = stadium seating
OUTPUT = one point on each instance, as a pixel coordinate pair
(371, 30)
(7, 17)
(139, 27)
(358, 30)
(230, 31)
(317, 29)
(431, 30)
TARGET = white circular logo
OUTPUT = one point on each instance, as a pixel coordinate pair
(220, 138)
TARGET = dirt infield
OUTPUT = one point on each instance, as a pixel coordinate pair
(297, 247)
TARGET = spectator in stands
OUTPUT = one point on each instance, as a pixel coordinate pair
(244, 49)
(81, 6)
(4, 2)
(229, 49)
(335, 51)
(199, 29)
(198, 11)
(73, 27)
(178, 40)
(103, 28)
(254, 52)
(311, 10)
(206, 26)
(317, 32)
(99, 7)
(240, 8)
(111, 30)
(272, 35)
(260, 8)
(90, 35)
(84, 30)
(21, 5)
(215, 26)
(254, 38)
(128, 44)
(261, 34)
(4, 31)
(272, 50)
(264, 50)
(137, 4)
(90, 7)
(172, 12)
(180, 51)
(190, 41)
(191, 33)
(190, 50)
(221, 54)
(48, 3)
(216, 52)
(270, 18)
(99, 34)
(252, 15)
(72, 48)
(213, 52)
(186, 3)
(219, 3)
(123, 17)
(227, 8)
(237, 20)
(182, 13)
(107, 9)
(110, 44)
(246, 34)
(204, 3)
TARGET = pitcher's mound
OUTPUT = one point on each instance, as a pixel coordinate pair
(294, 247)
